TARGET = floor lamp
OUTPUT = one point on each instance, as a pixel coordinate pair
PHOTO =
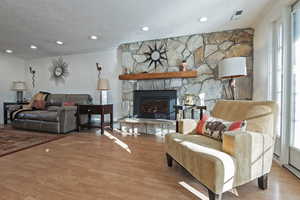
(231, 68)
(103, 87)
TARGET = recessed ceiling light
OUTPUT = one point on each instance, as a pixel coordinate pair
(145, 28)
(94, 37)
(59, 42)
(203, 19)
(33, 47)
(9, 51)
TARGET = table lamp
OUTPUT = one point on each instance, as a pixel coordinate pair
(231, 68)
(19, 87)
(103, 87)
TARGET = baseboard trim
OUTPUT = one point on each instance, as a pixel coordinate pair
(293, 170)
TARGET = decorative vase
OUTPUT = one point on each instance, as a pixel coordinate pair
(183, 66)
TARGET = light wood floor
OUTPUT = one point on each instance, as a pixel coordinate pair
(89, 167)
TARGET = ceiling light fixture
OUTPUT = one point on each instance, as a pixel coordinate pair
(145, 28)
(94, 37)
(33, 47)
(59, 42)
(203, 19)
(9, 51)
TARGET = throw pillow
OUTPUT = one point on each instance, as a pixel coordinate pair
(39, 104)
(215, 128)
(201, 123)
(69, 103)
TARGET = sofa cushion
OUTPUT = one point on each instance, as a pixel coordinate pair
(56, 99)
(59, 99)
(197, 139)
(40, 115)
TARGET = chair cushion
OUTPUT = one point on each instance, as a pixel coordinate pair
(40, 115)
(198, 139)
(204, 159)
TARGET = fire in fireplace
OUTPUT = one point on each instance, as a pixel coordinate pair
(154, 104)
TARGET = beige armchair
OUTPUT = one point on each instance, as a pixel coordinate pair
(242, 156)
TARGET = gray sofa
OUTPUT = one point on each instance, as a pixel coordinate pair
(56, 118)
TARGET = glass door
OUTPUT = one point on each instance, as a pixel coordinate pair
(294, 150)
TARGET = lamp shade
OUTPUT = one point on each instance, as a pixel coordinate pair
(103, 84)
(232, 67)
(19, 86)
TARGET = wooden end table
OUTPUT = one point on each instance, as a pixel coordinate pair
(94, 110)
(6, 106)
(184, 108)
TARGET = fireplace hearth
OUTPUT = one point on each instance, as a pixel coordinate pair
(154, 104)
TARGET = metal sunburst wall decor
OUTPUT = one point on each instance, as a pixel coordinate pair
(156, 55)
(59, 70)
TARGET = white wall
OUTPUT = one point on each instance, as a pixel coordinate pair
(11, 69)
(263, 50)
(263, 46)
(83, 76)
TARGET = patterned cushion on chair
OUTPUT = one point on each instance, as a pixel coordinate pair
(215, 127)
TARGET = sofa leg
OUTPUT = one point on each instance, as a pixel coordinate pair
(263, 182)
(169, 160)
(211, 195)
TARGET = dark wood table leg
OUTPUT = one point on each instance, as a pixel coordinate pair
(176, 118)
(5, 114)
(78, 121)
(193, 113)
(201, 113)
(102, 123)
(112, 120)
(90, 120)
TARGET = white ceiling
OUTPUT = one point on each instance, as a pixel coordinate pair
(42, 22)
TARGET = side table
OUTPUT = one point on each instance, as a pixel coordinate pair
(6, 106)
(184, 108)
(94, 110)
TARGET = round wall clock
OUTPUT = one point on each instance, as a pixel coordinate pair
(59, 70)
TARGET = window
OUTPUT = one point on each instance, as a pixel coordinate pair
(277, 81)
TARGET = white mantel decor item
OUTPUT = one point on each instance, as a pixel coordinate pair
(231, 68)
(103, 87)
(202, 99)
(19, 87)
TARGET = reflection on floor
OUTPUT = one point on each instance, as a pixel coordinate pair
(90, 166)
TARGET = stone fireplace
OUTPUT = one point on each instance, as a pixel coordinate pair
(154, 104)
(202, 52)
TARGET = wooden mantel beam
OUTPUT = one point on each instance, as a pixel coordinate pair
(161, 75)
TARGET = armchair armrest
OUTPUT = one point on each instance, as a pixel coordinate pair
(253, 152)
(187, 126)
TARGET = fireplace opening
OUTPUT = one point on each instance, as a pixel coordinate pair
(154, 104)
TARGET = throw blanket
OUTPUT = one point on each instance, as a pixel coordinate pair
(37, 97)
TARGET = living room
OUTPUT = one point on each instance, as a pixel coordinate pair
(149, 100)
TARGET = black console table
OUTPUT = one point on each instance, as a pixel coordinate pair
(6, 106)
(184, 108)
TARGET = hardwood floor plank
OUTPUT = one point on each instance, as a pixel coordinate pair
(88, 166)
